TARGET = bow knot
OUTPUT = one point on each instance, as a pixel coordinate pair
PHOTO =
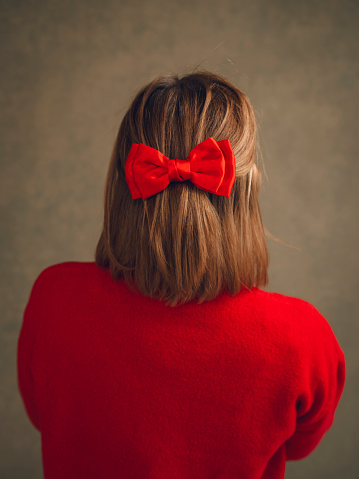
(179, 170)
(210, 166)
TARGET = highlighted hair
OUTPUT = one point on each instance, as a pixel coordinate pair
(185, 243)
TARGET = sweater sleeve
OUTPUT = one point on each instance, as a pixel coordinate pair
(25, 347)
(323, 376)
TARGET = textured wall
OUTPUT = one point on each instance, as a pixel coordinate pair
(69, 71)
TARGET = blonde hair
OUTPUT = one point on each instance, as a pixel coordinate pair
(185, 243)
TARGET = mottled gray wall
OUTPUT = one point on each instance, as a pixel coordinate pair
(68, 72)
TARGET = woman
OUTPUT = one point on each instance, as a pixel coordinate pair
(163, 358)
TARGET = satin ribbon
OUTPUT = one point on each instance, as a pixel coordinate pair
(210, 166)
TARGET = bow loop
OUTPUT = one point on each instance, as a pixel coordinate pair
(210, 166)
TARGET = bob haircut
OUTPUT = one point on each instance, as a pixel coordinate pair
(185, 243)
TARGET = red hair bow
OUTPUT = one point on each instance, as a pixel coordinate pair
(210, 166)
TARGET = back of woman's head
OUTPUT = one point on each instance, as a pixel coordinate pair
(183, 242)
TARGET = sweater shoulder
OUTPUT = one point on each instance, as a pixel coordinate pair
(67, 269)
(66, 273)
(57, 279)
(302, 322)
(290, 308)
(283, 301)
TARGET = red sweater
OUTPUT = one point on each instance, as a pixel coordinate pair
(121, 386)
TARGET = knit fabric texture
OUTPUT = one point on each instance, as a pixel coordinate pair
(122, 386)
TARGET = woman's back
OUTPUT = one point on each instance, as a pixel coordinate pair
(122, 385)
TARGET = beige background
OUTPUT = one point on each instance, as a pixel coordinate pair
(68, 72)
